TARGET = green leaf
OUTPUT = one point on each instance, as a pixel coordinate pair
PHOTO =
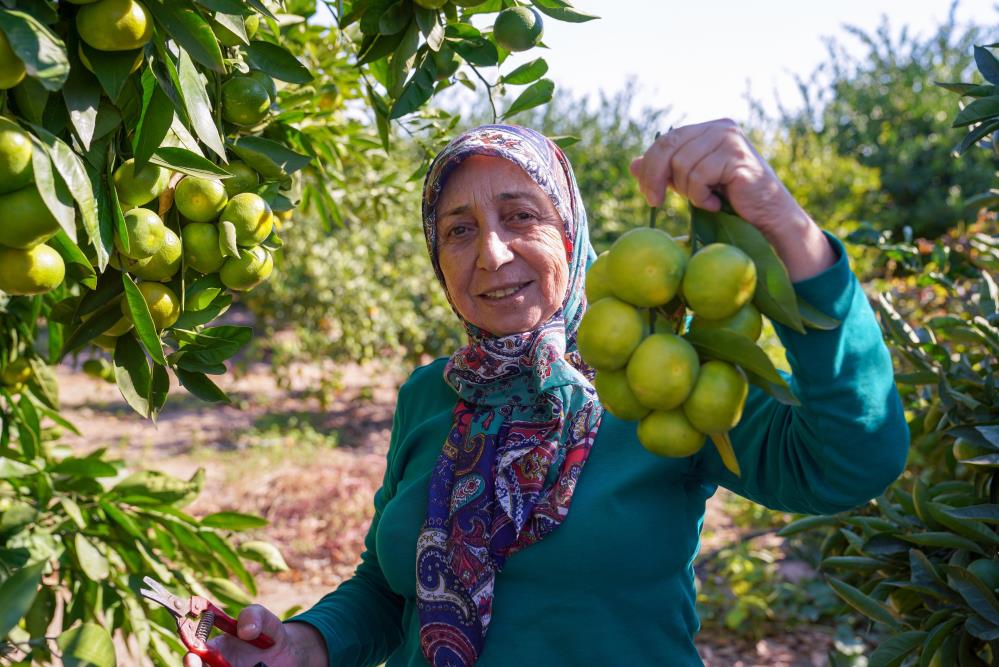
(278, 62)
(228, 593)
(270, 159)
(73, 172)
(198, 105)
(526, 73)
(83, 467)
(155, 120)
(562, 11)
(73, 511)
(92, 562)
(159, 389)
(131, 373)
(983, 108)
(78, 266)
(43, 54)
(83, 99)
(853, 563)
(152, 487)
(52, 188)
(87, 645)
(564, 140)
(193, 318)
(416, 92)
(45, 383)
(477, 51)
(978, 596)
(233, 521)
(122, 519)
(934, 639)
(972, 89)
(865, 604)
(775, 296)
(970, 139)
(982, 629)
(728, 346)
(538, 93)
(225, 553)
(18, 592)
(893, 651)
(9, 469)
(942, 539)
(396, 18)
(987, 64)
(190, 31)
(265, 553)
(988, 513)
(111, 68)
(814, 318)
(187, 162)
(199, 385)
(227, 239)
(807, 523)
(145, 329)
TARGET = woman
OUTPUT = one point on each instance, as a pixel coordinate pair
(542, 533)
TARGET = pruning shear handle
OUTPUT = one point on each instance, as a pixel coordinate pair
(196, 616)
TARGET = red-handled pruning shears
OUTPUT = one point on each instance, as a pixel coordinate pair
(196, 617)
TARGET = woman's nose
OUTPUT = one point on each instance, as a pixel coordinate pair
(494, 251)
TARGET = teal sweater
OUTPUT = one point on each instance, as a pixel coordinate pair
(614, 584)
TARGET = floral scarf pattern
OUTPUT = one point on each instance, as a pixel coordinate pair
(523, 427)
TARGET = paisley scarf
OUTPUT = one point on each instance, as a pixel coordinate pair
(525, 420)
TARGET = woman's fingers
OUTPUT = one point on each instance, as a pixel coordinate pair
(654, 170)
(191, 660)
(255, 620)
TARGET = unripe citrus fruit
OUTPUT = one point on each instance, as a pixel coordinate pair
(244, 101)
(616, 396)
(163, 304)
(715, 405)
(252, 267)
(668, 433)
(243, 178)
(662, 371)
(162, 264)
(598, 279)
(251, 216)
(201, 247)
(200, 199)
(16, 372)
(608, 333)
(719, 280)
(965, 449)
(26, 219)
(105, 342)
(12, 70)
(145, 231)
(15, 157)
(645, 267)
(85, 61)
(94, 368)
(746, 321)
(33, 271)
(430, 4)
(518, 28)
(115, 25)
(136, 188)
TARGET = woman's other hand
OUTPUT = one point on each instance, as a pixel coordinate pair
(702, 161)
(295, 644)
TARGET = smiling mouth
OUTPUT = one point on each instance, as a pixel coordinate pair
(505, 293)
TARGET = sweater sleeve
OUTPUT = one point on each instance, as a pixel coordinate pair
(848, 440)
(361, 621)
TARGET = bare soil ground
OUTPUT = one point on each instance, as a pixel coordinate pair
(316, 496)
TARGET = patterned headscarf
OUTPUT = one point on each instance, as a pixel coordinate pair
(523, 427)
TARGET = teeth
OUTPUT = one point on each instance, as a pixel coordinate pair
(499, 294)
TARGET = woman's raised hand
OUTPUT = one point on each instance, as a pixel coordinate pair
(295, 644)
(705, 160)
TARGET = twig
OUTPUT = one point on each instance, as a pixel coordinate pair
(489, 90)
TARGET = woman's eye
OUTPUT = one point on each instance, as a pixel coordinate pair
(457, 230)
(523, 216)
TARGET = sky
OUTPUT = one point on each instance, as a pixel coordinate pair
(700, 57)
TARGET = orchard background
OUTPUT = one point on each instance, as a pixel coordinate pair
(212, 406)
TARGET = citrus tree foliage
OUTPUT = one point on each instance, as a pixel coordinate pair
(881, 108)
(921, 561)
(151, 149)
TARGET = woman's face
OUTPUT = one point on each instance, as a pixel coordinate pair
(500, 247)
